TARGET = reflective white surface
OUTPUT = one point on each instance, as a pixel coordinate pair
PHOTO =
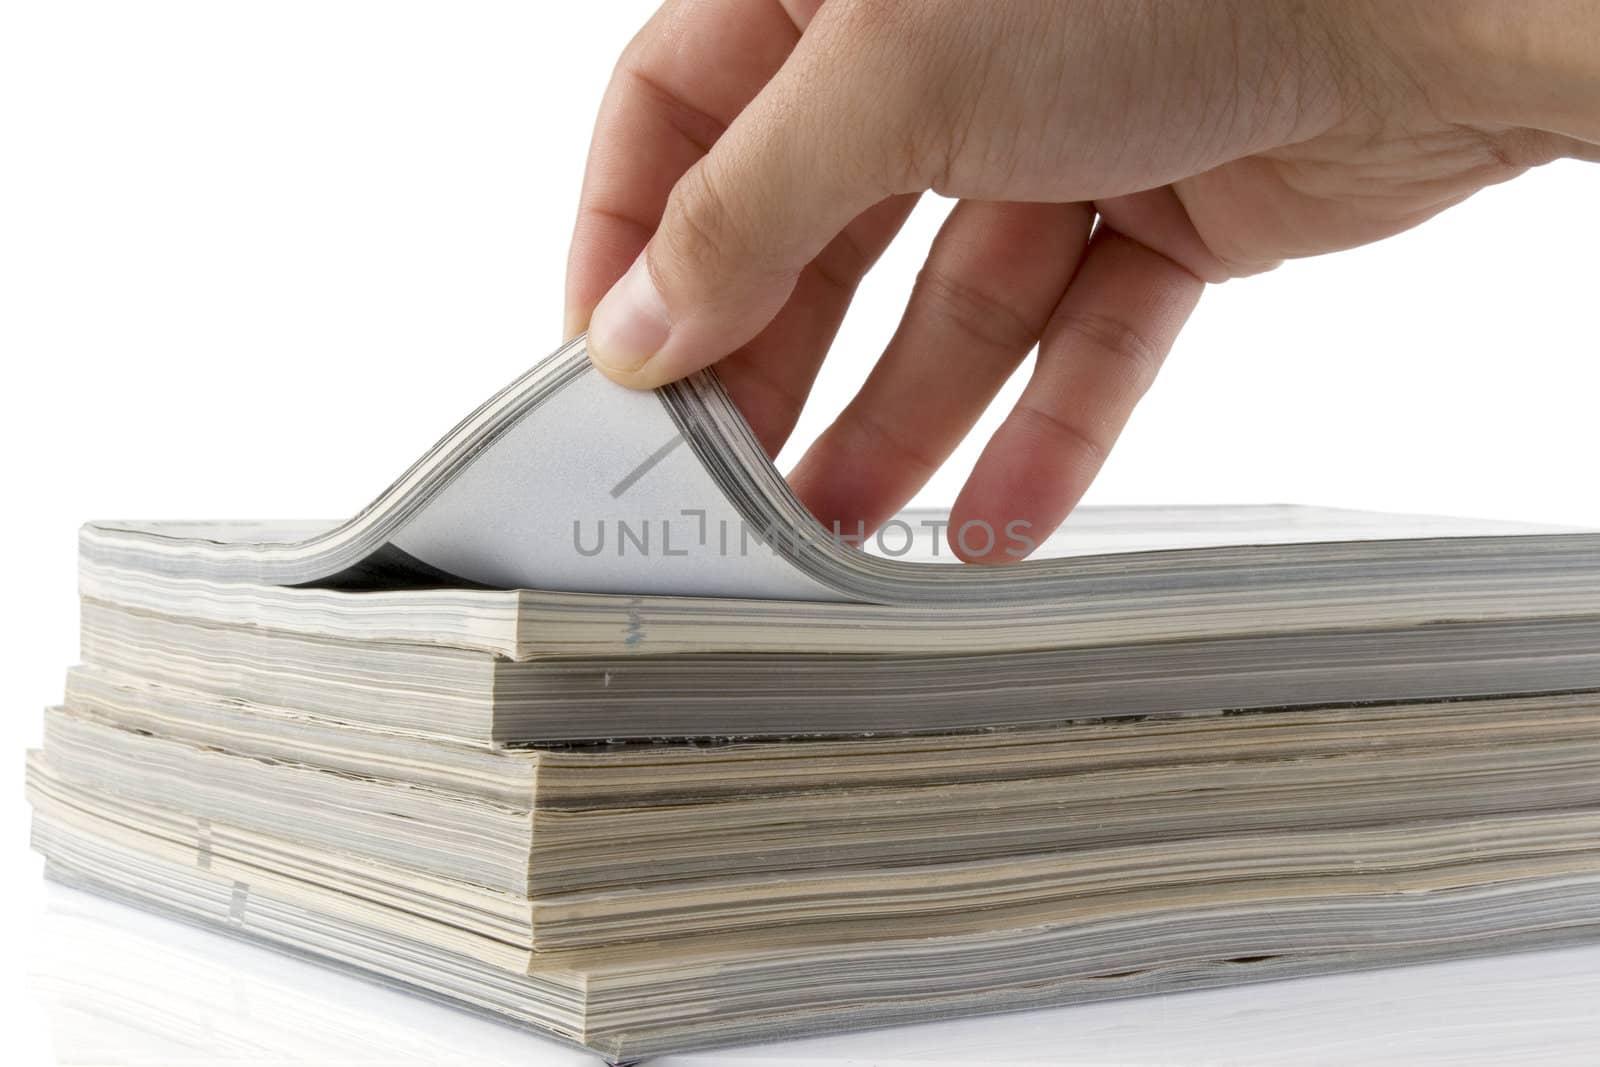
(121, 987)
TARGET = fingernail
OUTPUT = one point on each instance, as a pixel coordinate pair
(630, 323)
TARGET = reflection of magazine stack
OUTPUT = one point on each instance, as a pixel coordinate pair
(549, 731)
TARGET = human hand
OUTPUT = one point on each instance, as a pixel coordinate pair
(753, 158)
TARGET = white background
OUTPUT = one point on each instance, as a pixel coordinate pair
(255, 257)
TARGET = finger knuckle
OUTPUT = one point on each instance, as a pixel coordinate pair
(700, 230)
(1126, 348)
(984, 316)
(1091, 443)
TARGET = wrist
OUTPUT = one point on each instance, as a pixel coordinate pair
(1498, 64)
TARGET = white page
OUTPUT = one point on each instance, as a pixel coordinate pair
(596, 491)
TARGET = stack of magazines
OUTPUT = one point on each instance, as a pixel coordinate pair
(585, 724)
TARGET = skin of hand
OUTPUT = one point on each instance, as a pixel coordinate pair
(752, 158)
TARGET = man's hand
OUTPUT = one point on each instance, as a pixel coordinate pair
(754, 157)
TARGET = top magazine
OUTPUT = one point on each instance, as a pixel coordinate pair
(570, 519)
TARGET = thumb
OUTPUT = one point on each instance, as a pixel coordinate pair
(799, 163)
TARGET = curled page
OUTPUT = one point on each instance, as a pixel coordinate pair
(565, 481)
